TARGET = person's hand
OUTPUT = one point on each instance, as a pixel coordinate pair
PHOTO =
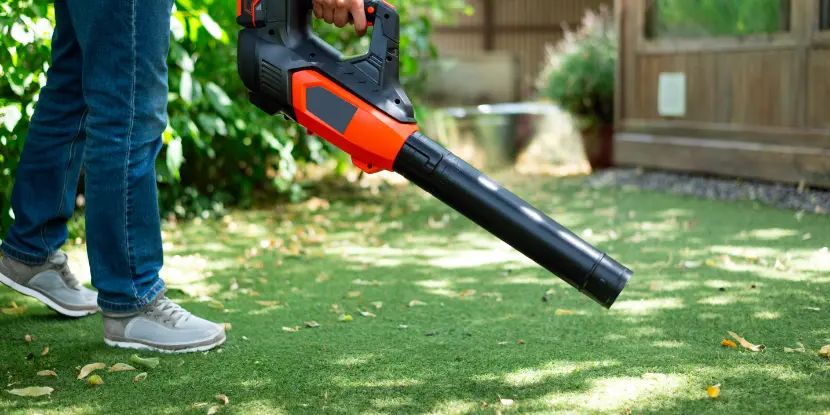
(337, 12)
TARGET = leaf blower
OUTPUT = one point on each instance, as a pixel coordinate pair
(358, 105)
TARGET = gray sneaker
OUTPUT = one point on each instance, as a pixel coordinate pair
(162, 326)
(52, 283)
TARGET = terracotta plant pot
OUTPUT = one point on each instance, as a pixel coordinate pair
(599, 145)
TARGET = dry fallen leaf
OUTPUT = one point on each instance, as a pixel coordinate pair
(312, 324)
(413, 303)
(14, 311)
(222, 398)
(322, 277)
(378, 304)
(506, 402)
(467, 293)
(47, 373)
(367, 314)
(747, 345)
(403, 326)
(354, 294)
(520, 341)
(812, 308)
(728, 343)
(28, 338)
(290, 329)
(95, 380)
(227, 326)
(118, 367)
(45, 350)
(139, 377)
(31, 391)
(216, 304)
(151, 362)
(825, 351)
(86, 370)
(561, 312)
(213, 409)
(713, 391)
(800, 349)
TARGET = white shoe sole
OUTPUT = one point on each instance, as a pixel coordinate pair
(142, 346)
(44, 299)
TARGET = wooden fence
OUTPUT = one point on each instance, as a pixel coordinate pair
(753, 106)
(519, 28)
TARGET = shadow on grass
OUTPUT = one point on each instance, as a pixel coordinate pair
(701, 269)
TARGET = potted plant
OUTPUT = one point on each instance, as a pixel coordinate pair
(579, 77)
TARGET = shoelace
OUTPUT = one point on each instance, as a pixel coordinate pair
(172, 312)
(60, 261)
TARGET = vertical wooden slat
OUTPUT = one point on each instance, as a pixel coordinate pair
(489, 25)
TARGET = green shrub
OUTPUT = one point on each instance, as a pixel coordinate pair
(219, 149)
(579, 72)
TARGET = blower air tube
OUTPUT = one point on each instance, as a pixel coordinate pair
(439, 172)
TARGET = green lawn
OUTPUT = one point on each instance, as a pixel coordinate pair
(702, 268)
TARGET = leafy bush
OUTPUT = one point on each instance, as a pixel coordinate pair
(579, 72)
(219, 150)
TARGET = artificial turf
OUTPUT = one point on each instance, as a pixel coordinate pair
(460, 319)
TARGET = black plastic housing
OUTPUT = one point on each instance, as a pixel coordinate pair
(450, 179)
(278, 41)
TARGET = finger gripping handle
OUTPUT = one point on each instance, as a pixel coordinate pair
(370, 8)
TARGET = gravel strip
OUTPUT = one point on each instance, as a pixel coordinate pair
(799, 198)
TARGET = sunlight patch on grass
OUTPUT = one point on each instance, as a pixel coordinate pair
(744, 371)
(618, 393)
(647, 331)
(454, 407)
(643, 307)
(391, 402)
(772, 234)
(718, 300)
(434, 283)
(377, 383)
(669, 344)
(531, 280)
(676, 285)
(259, 406)
(355, 360)
(766, 315)
(745, 251)
(530, 376)
(477, 258)
(708, 316)
(675, 213)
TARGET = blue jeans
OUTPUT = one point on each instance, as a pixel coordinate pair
(104, 107)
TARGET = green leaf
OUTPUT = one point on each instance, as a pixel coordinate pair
(211, 26)
(22, 34)
(177, 26)
(10, 115)
(186, 87)
(175, 156)
(218, 98)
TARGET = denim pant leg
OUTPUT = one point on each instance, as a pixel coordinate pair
(43, 198)
(125, 45)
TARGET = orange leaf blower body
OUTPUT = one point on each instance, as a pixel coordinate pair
(358, 105)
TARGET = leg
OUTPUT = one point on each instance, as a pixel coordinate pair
(43, 198)
(125, 48)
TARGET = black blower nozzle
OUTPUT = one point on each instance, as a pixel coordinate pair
(439, 172)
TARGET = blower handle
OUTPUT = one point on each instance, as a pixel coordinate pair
(373, 76)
